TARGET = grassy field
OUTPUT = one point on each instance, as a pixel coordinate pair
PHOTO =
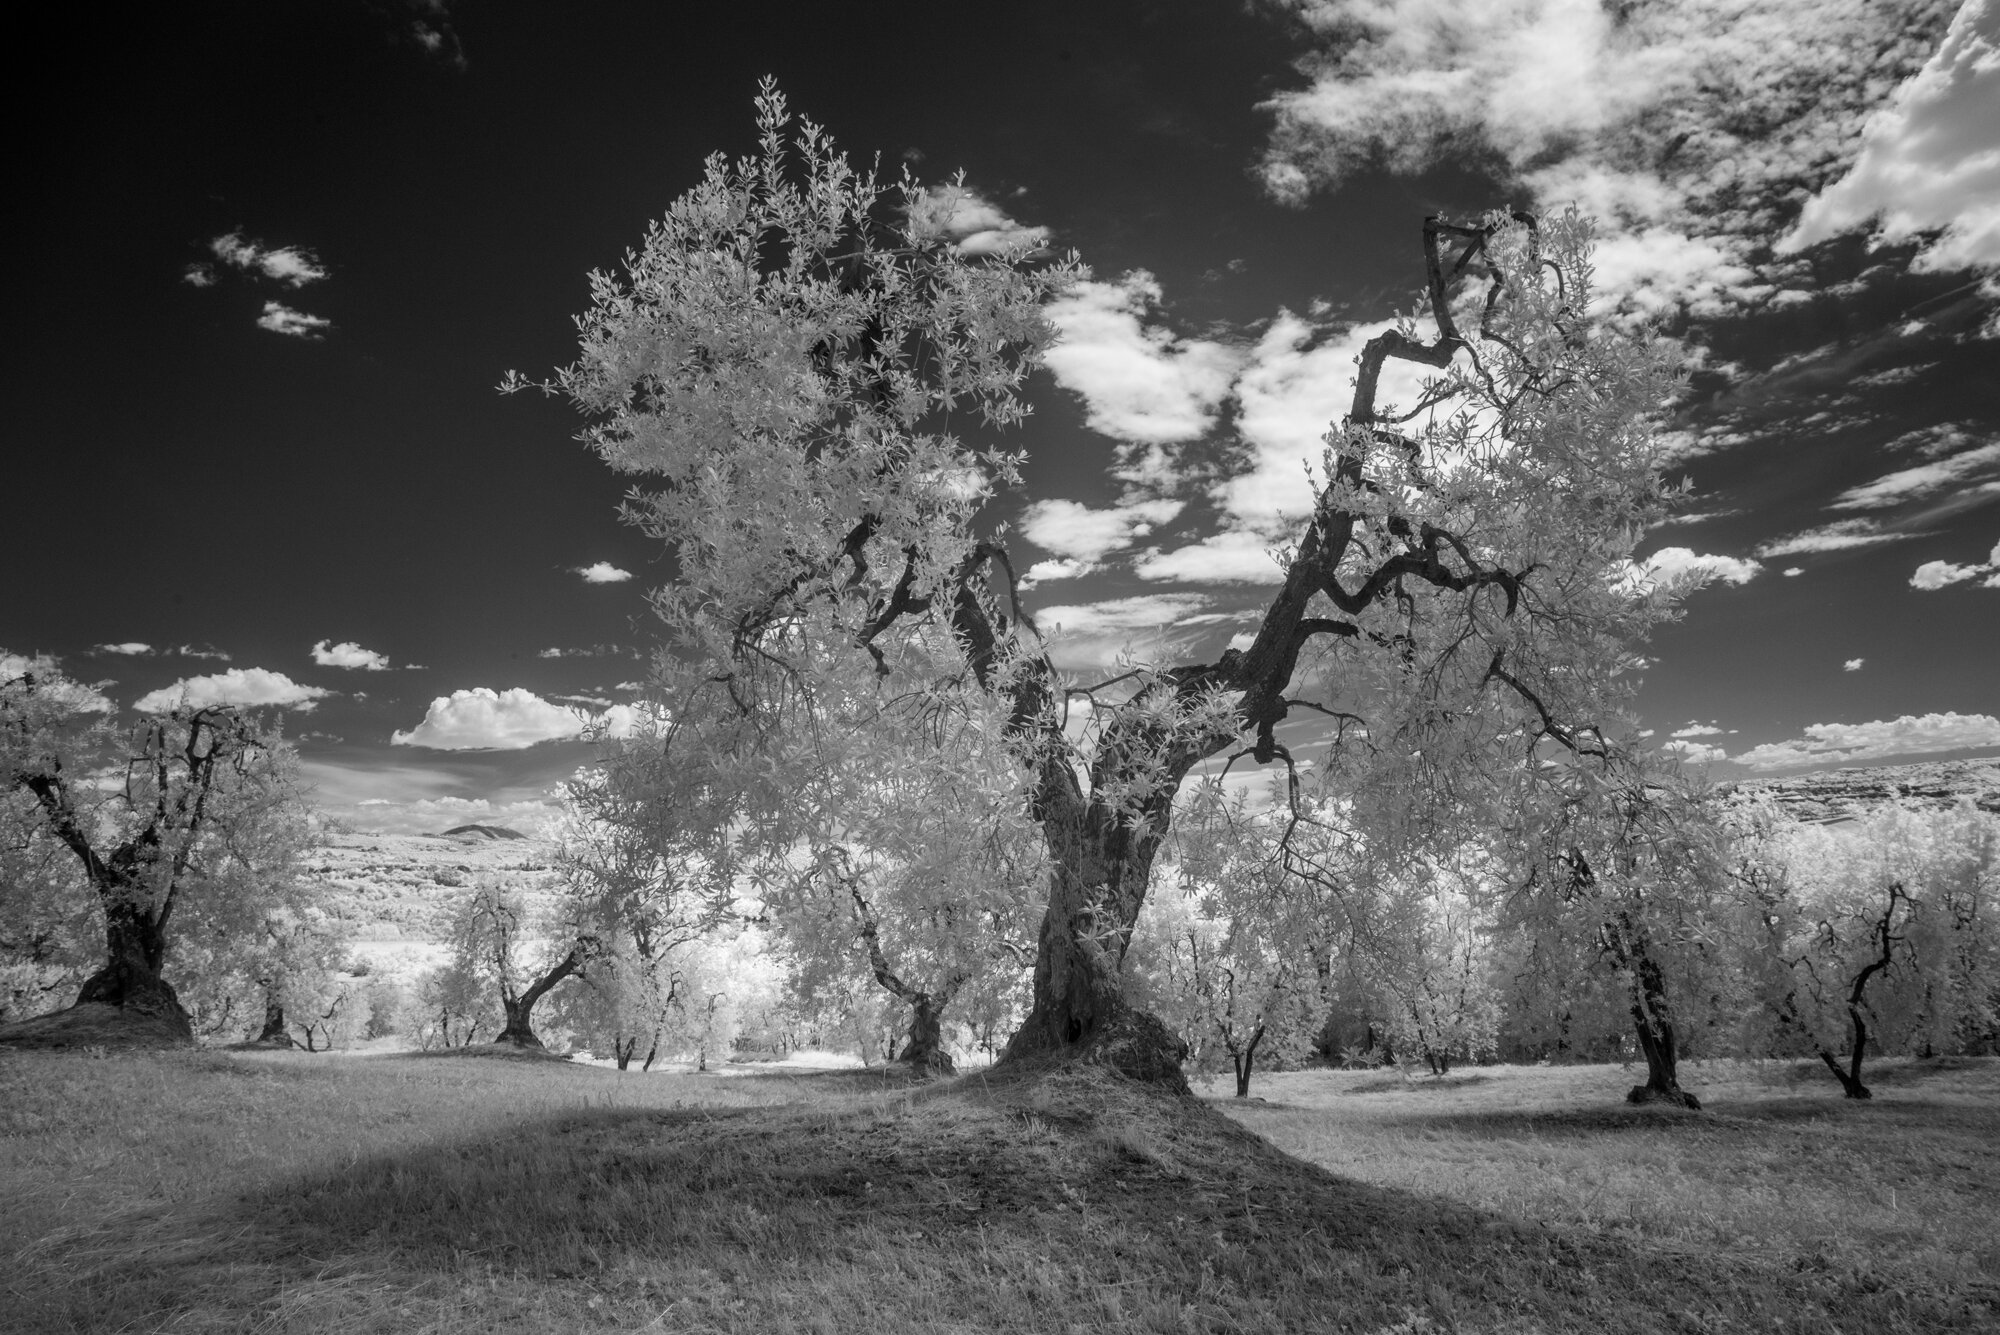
(195, 1192)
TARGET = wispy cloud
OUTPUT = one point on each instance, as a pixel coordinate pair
(294, 266)
(1840, 535)
(976, 225)
(1853, 743)
(1915, 483)
(238, 686)
(1080, 533)
(130, 648)
(282, 319)
(348, 654)
(1149, 627)
(76, 695)
(1684, 125)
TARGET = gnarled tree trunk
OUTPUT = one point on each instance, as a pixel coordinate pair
(925, 1052)
(519, 1029)
(135, 944)
(1653, 1019)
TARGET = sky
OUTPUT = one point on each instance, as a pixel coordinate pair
(272, 261)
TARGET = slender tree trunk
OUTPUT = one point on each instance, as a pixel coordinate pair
(1653, 1020)
(1244, 1061)
(135, 949)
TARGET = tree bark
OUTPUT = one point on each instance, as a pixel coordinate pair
(135, 947)
(1244, 1061)
(274, 1031)
(519, 1029)
(925, 1052)
(1654, 1022)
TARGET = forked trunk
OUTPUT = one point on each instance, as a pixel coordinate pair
(1096, 887)
(1244, 1060)
(520, 1009)
(135, 949)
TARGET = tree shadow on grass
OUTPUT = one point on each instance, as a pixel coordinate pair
(1074, 1200)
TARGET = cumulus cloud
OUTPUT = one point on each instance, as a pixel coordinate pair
(1852, 665)
(602, 572)
(1853, 743)
(1915, 483)
(1933, 575)
(294, 266)
(1929, 163)
(1682, 566)
(237, 686)
(130, 648)
(1684, 125)
(1793, 572)
(482, 719)
(348, 654)
(1149, 626)
(976, 224)
(1695, 753)
(1080, 533)
(1694, 729)
(1139, 383)
(282, 319)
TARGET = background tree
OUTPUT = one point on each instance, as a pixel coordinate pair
(174, 811)
(897, 849)
(784, 359)
(520, 949)
(1629, 873)
(49, 942)
(1877, 933)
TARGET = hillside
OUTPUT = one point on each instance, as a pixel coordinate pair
(1846, 794)
(394, 892)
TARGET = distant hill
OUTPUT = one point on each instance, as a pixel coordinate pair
(482, 832)
(1848, 794)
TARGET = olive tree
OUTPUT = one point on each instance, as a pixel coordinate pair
(191, 813)
(785, 366)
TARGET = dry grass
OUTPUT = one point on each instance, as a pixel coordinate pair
(198, 1192)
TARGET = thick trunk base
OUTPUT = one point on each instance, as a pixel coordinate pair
(1673, 1096)
(1131, 1042)
(129, 986)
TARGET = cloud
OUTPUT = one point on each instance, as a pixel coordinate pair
(1682, 565)
(238, 686)
(1793, 572)
(603, 572)
(976, 224)
(1042, 572)
(1149, 626)
(282, 319)
(1914, 483)
(198, 275)
(1234, 557)
(1852, 665)
(1929, 162)
(1837, 536)
(489, 720)
(1140, 384)
(189, 651)
(1685, 126)
(294, 266)
(1933, 575)
(348, 654)
(1076, 531)
(1694, 729)
(1852, 743)
(130, 648)
(1695, 753)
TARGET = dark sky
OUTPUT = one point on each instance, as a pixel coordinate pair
(185, 478)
